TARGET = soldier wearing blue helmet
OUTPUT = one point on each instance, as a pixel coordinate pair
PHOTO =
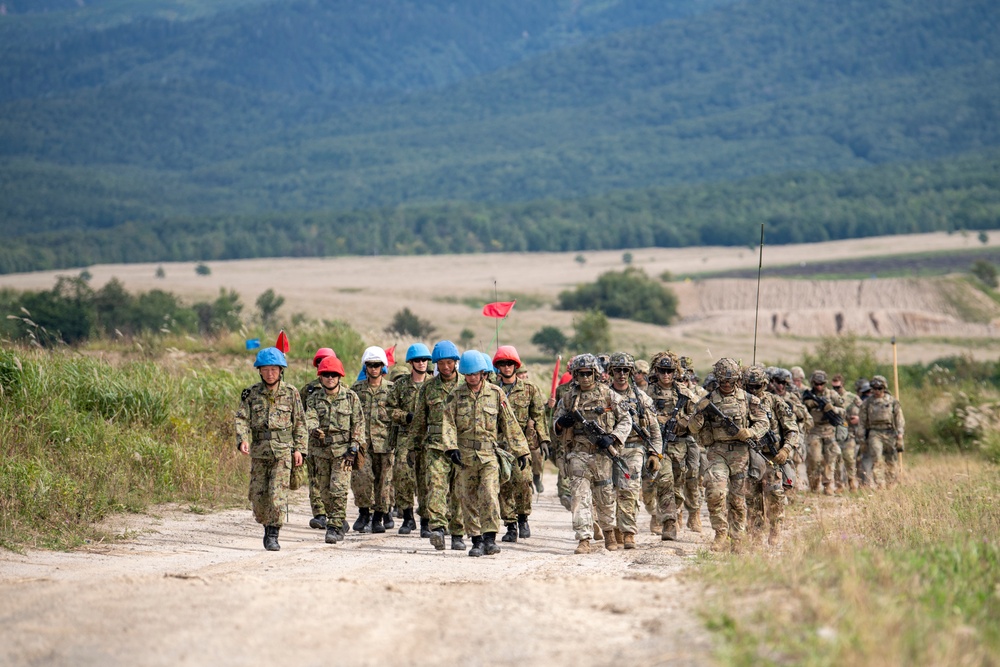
(271, 429)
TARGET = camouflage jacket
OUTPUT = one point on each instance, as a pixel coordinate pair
(525, 401)
(338, 415)
(802, 416)
(272, 422)
(882, 414)
(782, 420)
(473, 421)
(428, 413)
(821, 424)
(599, 404)
(665, 400)
(743, 408)
(643, 413)
(852, 408)
(401, 402)
(373, 406)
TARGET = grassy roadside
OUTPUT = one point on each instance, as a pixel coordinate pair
(905, 576)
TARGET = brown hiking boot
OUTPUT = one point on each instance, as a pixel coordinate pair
(774, 536)
(654, 525)
(619, 537)
(694, 522)
(629, 541)
(828, 490)
(853, 484)
(610, 543)
(669, 531)
(721, 541)
(598, 533)
(583, 547)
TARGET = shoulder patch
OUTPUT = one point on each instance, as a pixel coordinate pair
(245, 395)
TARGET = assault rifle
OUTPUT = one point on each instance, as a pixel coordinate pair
(828, 414)
(668, 428)
(641, 431)
(593, 431)
(767, 445)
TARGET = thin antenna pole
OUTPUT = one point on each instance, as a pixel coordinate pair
(756, 310)
(496, 298)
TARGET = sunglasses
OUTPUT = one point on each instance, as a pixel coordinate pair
(665, 371)
(329, 375)
(819, 384)
(621, 371)
(837, 386)
(585, 374)
(501, 364)
(780, 381)
(373, 365)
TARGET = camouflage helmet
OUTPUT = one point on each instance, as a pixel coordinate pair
(787, 375)
(860, 382)
(686, 362)
(756, 375)
(642, 366)
(710, 382)
(865, 387)
(621, 360)
(879, 382)
(797, 372)
(603, 360)
(666, 360)
(726, 368)
(773, 372)
(581, 361)
(818, 377)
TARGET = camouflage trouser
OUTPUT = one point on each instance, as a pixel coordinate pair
(269, 488)
(562, 479)
(537, 461)
(421, 479)
(648, 490)
(692, 473)
(592, 492)
(382, 492)
(333, 482)
(665, 494)
(315, 495)
(847, 450)
(881, 460)
(444, 507)
(515, 495)
(627, 499)
(766, 497)
(479, 482)
(363, 483)
(676, 454)
(725, 488)
(822, 459)
(404, 479)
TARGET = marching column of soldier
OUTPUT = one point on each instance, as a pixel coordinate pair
(461, 445)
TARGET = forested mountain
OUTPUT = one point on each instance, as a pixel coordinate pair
(185, 129)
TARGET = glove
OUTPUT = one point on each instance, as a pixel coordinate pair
(899, 443)
(703, 403)
(652, 463)
(318, 433)
(455, 456)
(605, 441)
(744, 434)
(828, 407)
(409, 417)
(780, 457)
(546, 451)
(348, 461)
(522, 461)
(566, 421)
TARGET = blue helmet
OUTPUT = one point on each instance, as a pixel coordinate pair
(472, 361)
(490, 368)
(445, 349)
(417, 351)
(270, 356)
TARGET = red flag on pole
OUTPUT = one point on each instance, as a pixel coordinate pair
(282, 342)
(498, 309)
(390, 355)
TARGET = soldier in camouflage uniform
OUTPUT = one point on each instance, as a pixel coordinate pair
(406, 477)
(848, 444)
(881, 417)
(587, 464)
(271, 429)
(475, 415)
(728, 451)
(641, 375)
(373, 487)
(538, 455)
(643, 449)
(315, 494)
(679, 446)
(525, 400)
(557, 450)
(864, 389)
(822, 449)
(336, 433)
(766, 501)
(781, 381)
(440, 472)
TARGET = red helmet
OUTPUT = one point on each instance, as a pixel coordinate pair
(565, 377)
(331, 365)
(506, 353)
(321, 354)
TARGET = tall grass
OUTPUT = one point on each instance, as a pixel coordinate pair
(905, 576)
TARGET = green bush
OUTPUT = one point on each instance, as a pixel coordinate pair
(628, 294)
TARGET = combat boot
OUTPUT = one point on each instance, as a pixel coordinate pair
(271, 538)
(566, 502)
(377, 526)
(425, 530)
(318, 522)
(511, 535)
(387, 521)
(669, 532)
(456, 543)
(694, 522)
(364, 521)
(610, 543)
(598, 533)
(774, 536)
(737, 543)
(489, 544)
(619, 537)
(721, 541)
(537, 480)
(629, 541)
(583, 547)
(408, 524)
(345, 527)
(654, 525)
(828, 490)
(523, 530)
(437, 538)
(477, 546)
(333, 535)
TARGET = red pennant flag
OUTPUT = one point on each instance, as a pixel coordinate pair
(282, 342)
(390, 355)
(498, 309)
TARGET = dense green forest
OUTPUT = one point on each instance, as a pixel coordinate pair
(176, 130)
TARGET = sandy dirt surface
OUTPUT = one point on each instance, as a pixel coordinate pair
(198, 589)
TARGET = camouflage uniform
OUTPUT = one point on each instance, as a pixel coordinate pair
(883, 422)
(339, 415)
(471, 424)
(558, 452)
(406, 476)
(315, 494)
(683, 452)
(443, 507)
(525, 401)
(767, 498)
(373, 486)
(643, 414)
(849, 445)
(274, 424)
(822, 449)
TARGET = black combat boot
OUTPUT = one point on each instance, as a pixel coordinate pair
(437, 538)
(489, 544)
(511, 535)
(425, 530)
(318, 522)
(523, 529)
(333, 534)
(364, 522)
(477, 546)
(456, 543)
(271, 538)
(387, 521)
(377, 526)
(537, 479)
(669, 531)
(408, 523)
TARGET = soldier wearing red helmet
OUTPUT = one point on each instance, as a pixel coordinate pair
(315, 497)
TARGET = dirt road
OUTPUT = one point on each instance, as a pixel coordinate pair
(198, 589)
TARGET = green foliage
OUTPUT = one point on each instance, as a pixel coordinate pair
(629, 294)
(845, 355)
(550, 340)
(407, 323)
(593, 332)
(983, 237)
(221, 315)
(203, 270)
(466, 337)
(986, 272)
(627, 258)
(268, 304)
(160, 273)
